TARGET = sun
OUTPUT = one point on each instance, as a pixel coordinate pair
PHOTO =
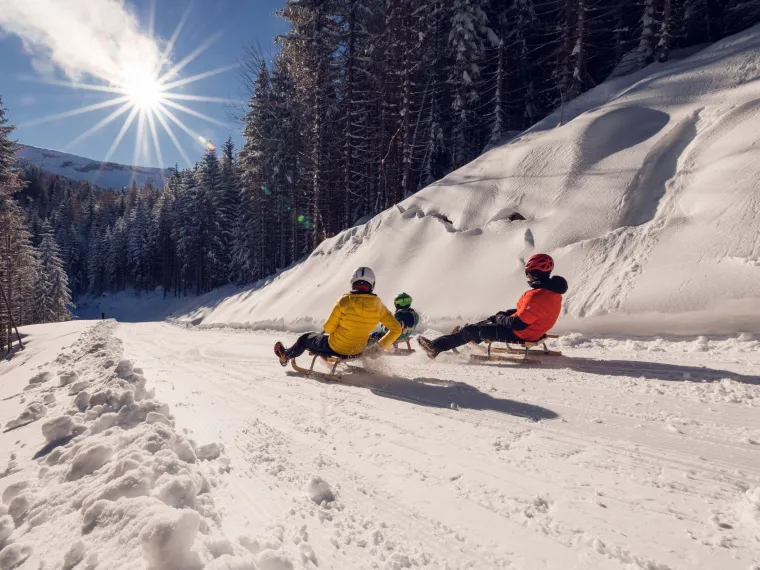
(142, 88)
(147, 92)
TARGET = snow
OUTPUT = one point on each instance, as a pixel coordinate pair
(645, 190)
(57, 428)
(31, 413)
(44, 376)
(106, 481)
(620, 455)
(74, 555)
(107, 175)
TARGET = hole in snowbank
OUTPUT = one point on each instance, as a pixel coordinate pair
(509, 214)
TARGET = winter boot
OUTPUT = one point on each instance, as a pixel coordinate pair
(427, 346)
(282, 354)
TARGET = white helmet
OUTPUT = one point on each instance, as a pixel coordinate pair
(364, 274)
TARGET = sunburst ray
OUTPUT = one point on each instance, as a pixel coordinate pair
(173, 138)
(198, 77)
(200, 98)
(80, 85)
(120, 136)
(172, 41)
(191, 57)
(194, 113)
(156, 145)
(79, 111)
(195, 136)
(99, 125)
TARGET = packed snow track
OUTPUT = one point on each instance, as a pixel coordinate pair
(621, 454)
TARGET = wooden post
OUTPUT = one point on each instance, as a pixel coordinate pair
(10, 319)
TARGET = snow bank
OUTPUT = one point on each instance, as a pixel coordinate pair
(114, 485)
(647, 195)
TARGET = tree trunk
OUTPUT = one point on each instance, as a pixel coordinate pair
(349, 146)
(11, 324)
(406, 106)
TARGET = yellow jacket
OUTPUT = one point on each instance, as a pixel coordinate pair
(352, 320)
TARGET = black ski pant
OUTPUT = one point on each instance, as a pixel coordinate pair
(475, 333)
(313, 341)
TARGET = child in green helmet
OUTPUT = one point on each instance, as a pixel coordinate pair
(405, 315)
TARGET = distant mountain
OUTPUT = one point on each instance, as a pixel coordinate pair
(105, 175)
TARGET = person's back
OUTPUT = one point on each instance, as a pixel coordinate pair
(406, 317)
(354, 317)
(540, 307)
(537, 311)
(349, 325)
(409, 319)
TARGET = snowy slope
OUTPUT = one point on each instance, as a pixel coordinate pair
(646, 190)
(105, 175)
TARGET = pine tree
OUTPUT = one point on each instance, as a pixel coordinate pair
(53, 293)
(96, 262)
(213, 235)
(139, 251)
(250, 248)
(116, 263)
(162, 238)
(470, 33)
(647, 41)
(14, 259)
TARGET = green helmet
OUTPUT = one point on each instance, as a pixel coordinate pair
(402, 300)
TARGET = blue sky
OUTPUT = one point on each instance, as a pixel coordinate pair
(29, 98)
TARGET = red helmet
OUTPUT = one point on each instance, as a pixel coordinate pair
(540, 262)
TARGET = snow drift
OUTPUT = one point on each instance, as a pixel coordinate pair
(113, 484)
(645, 190)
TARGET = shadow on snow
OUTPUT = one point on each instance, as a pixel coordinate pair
(437, 393)
(643, 369)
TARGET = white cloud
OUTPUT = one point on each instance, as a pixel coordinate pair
(99, 38)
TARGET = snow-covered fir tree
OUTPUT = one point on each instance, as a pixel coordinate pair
(53, 293)
(18, 262)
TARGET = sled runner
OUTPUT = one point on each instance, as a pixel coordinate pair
(397, 351)
(495, 353)
(331, 361)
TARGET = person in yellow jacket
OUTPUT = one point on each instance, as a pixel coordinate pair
(348, 327)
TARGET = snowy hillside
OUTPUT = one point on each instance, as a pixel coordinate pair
(105, 175)
(646, 190)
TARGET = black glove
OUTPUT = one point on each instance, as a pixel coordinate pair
(501, 316)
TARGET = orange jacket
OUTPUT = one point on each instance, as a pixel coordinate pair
(352, 320)
(539, 309)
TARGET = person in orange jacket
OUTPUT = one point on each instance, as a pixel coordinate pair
(537, 311)
(349, 325)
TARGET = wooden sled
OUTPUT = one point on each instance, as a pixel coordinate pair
(332, 361)
(396, 351)
(496, 353)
